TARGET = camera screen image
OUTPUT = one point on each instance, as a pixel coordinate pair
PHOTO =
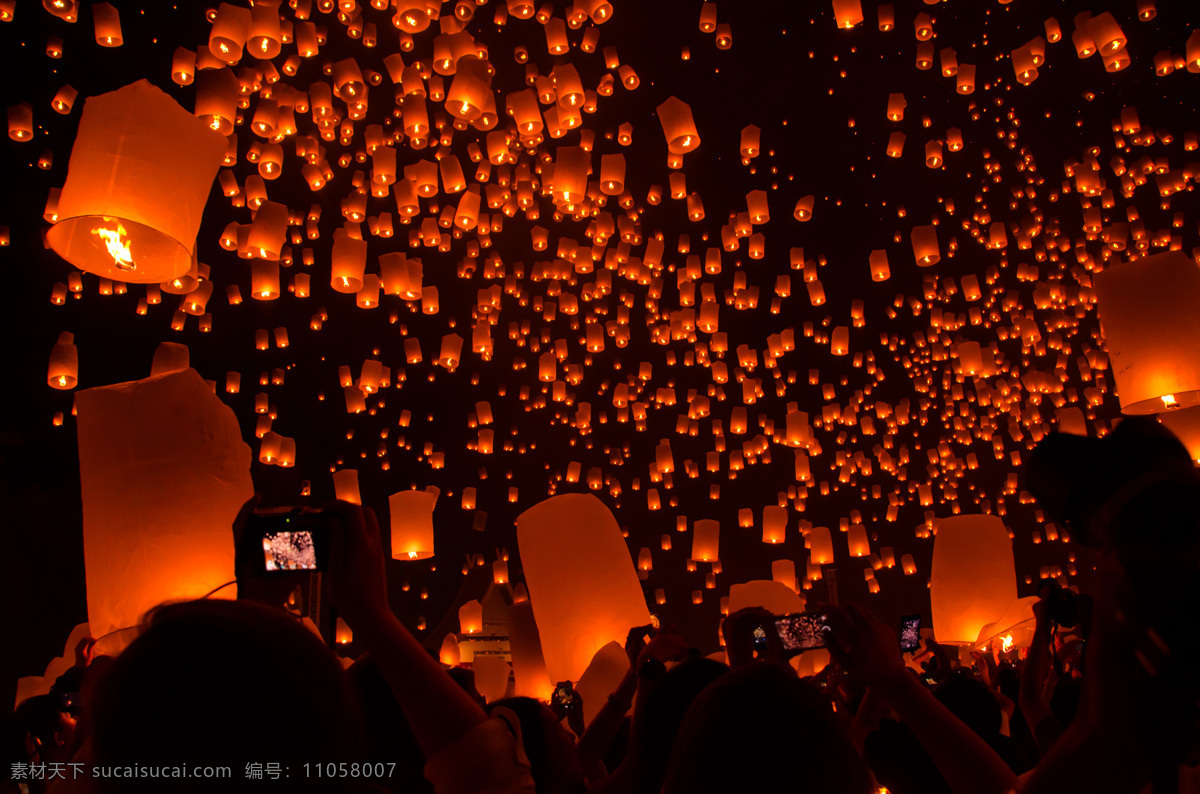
(910, 633)
(289, 551)
(803, 632)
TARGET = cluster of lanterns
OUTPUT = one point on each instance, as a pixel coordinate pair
(478, 152)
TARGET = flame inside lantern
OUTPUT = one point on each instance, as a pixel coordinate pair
(118, 246)
(1006, 643)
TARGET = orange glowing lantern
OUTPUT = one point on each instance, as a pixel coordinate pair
(157, 507)
(20, 122)
(108, 25)
(230, 30)
(345, 486)
(706, 538)
(679, 128)
(470, 618)
(64, 363)
(820, 546)
(973, 578)
(136, 186)
(349, 262)
(925, 245)
(847, 13)
(1147, 314)
(412, 524)
(582, 583)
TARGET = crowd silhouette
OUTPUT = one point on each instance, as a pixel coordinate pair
(1105, 699)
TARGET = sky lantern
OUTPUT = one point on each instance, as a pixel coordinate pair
(706, 537)
(1147, 314)
(63, 372)
(107, 22)
(678, 126)
(230, 30)
(925, 245)
(20, 122)
(136, 186)
(582, 582)
(449, 653)
(820, 545)
(470, 617)
(157, 507)
(973, 579)
(847, 13)
(412, 524)
(774, 519)
(349, 262)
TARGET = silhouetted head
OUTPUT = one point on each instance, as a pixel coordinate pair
(225, 683)
(662, 714)
(760, 728)
(549, 746)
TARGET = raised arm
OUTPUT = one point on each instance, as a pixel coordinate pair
(869, 651)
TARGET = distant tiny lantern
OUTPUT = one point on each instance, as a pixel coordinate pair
(136, 186)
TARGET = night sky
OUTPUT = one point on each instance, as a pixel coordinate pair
(820, 96)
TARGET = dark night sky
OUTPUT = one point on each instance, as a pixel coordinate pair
(819, 95)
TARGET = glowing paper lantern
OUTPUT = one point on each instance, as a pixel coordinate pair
(1147, 313)
(137, 182)
(345, 486)
(450, 654)
(820, 546)
(706, 539)
(491, 676)
(107, 21)
(157, 506)
(470, 617)
(529, 667)
(847, 13)
(774, 524)
(582, 583)
(349, 262)
(64, 363)
(973, 578)
(678, 126)
(601, 678)
(412, 524)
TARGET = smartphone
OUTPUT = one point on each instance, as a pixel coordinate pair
(760, 639)
(803, 631)
(910, 633)
(289, 539)
(564, 694)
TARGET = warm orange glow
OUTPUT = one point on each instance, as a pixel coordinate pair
(118, 246)
(1006, 643)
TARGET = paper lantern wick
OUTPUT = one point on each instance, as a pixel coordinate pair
(1169, 401)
